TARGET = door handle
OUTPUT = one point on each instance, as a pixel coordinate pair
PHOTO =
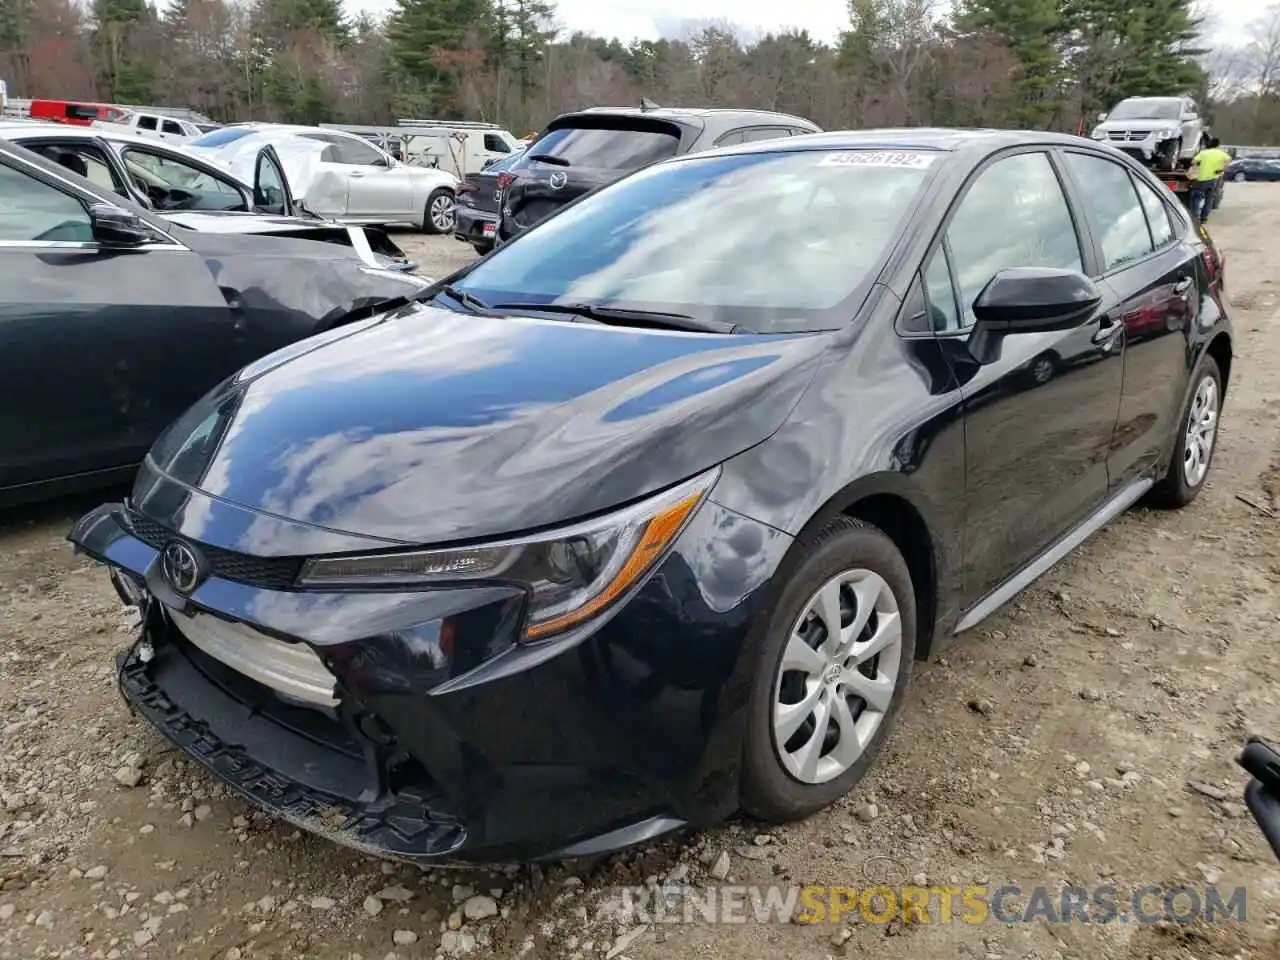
(355, 173)
(1182, 286)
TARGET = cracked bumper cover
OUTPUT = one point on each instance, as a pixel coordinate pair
(504, 752)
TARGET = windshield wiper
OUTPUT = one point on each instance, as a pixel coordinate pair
(475, 304)
(622, 316)
(548, 158)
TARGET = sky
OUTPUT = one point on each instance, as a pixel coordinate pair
(824, 19)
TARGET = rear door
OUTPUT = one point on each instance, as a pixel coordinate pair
(103, 345)
(1155, 276)
(579, 155)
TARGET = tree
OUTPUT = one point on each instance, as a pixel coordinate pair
(1116, 49)
(1030, 29)
(125, 47)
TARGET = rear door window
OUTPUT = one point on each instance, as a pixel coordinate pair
(1157, 215)
(604, 148)
(172, 126)
(146, 123)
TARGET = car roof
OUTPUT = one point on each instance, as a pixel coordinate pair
(694, 113)
(912, 138)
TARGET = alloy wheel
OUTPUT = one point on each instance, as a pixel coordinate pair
(837, 678)
(441, 213)
(1239, 178)
(1042, 370)
(1202, 430)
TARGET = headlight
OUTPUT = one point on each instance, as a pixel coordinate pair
(571, 574)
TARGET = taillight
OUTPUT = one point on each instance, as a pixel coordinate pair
(1212, 263)
(505, 180)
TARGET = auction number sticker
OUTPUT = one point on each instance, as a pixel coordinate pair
(909, 159)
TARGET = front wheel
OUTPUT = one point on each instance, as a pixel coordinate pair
(438, 215)
(1239, 178)
(835, 662)
(1197, 436)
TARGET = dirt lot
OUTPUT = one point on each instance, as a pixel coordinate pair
(1056, 746)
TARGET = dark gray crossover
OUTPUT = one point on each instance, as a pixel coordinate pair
(113, 320)
(582, 151)
(645, 517)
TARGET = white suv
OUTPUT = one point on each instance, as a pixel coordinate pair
(1164, 132)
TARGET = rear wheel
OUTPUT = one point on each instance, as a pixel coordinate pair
(1239, 178)
(438, 215)
(1196, 440)
(835, 663)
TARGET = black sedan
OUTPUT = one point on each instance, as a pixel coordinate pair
(114, 320)
(645, 517)
(476, 211)
(1252, 168)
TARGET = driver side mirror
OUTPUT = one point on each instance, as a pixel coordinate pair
(1029, 300)
(115, 227)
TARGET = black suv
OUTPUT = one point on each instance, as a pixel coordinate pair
(579, 152)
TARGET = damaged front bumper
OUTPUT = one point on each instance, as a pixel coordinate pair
(414, 725)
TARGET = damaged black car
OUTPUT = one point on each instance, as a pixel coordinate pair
(644, 518)
(116, 320)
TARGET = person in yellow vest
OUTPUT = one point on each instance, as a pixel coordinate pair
(1206, 169)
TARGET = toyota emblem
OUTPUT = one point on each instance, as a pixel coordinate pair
(558, 180)
(181, 567)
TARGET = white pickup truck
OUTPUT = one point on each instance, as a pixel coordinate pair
(155, 126)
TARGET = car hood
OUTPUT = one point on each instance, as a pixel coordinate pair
(1137, 123)
(429, 426)
(320, 282)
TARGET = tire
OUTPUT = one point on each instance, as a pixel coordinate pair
(780, 790)
(1042, 369)
(1181, 483)
(482, 248)
(1239, 178)
(434, 219)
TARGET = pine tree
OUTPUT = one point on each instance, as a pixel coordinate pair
(419, 29)
(123, 38)
(1031, 30)
(1116, 49)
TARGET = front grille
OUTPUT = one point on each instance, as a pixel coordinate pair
(270, 573)
(1128, 136)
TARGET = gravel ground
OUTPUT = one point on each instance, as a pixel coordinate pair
(1084, 736)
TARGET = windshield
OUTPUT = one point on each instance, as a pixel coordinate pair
(220, 137)
(1146, 110)
(766, 241)
(605, 149)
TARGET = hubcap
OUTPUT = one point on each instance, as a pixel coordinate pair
(442, 213)
(1202, 429)
(837, 677)
(1043, 370)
